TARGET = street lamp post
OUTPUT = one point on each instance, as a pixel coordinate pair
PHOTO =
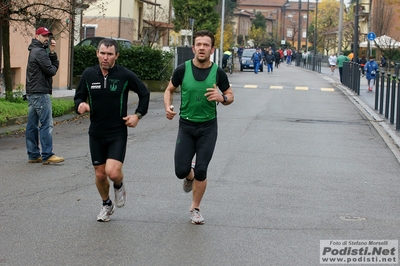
(299, 36)
(355, 44)
(299, 30)
(221, 44)
(191, 23)
(308, 14)
(315, 36)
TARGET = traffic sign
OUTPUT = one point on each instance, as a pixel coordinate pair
(371, 35)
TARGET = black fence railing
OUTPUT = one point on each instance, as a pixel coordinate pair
(351, 74)
(387, 95)
(312, 62)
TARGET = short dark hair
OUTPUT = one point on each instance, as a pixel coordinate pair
(203, 33)
(109, 42)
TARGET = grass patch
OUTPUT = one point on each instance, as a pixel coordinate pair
(9, 110)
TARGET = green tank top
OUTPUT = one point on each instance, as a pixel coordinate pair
(194, 105)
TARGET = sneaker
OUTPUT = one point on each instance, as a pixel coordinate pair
(196, 217)
(54, 159)
(37, 160)
(188, 184)
(105, 213)
(120, 196)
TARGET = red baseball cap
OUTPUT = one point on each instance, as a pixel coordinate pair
(43, 31)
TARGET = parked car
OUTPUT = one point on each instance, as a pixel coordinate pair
(246, 62)
(94, 41)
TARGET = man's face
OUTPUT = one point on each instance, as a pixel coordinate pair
(44, 39)
(202, 48)
(106, 56)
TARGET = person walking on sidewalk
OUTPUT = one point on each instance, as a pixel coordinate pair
(42, 66)
(106, 88)
(256, 58)
(370, 68)
(270, 58)
(362, 62)
(198, 128)
(340, 60)
(332, 62)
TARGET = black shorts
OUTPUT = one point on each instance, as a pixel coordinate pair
(195, 139)
(105, 148)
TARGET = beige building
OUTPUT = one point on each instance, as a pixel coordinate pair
(128, 19)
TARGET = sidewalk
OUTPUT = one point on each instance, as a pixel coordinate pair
(366, 103)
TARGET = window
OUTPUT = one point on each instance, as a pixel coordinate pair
(88, 30)
(289, 33)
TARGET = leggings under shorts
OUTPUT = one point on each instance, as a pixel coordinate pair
(195, 139)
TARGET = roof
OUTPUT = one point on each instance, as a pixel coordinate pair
(149, 2)
(159, 24)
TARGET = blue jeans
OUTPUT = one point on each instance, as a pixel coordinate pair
(256, 66)
(270, 67)
(39, 110)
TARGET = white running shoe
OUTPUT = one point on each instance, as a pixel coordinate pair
(120, 196)
(196, 217)
(105, 213)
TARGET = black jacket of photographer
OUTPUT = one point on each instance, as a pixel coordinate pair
(41, 68)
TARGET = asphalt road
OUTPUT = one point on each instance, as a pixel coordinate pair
(295, 163)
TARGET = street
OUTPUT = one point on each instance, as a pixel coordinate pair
(296, 162)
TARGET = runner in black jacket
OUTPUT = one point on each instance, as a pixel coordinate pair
(106, 88)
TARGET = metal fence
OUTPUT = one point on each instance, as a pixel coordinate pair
(312, 62)
(351, 74)
(387, 95)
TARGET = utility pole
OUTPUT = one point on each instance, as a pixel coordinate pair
(221, 45)
(355, 44)
(299, 30)
(340, 32)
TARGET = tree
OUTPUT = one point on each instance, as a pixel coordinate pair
(328, 14)
(22, 15)
(204, 12)
(259, 22)
(156, 19)
(229, 38)
(257, 35)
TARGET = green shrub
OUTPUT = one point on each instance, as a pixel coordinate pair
(14, 109)
(84, 56)
(62, 106)
(147, 63)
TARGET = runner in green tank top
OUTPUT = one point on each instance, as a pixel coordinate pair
(198, 128)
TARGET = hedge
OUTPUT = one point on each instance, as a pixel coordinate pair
(146, 62)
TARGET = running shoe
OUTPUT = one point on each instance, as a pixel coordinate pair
(105, 213)
(120, 196)
(196, 217)
(188, 184)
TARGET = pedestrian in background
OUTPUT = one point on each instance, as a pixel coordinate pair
(256, 58)
(362, 63)
(197, 134)
(383, 61)
(332, 62)
(340, 60)
(277, 59)
(106, 88)
(304, 56)
(370, 68)
(288, 56)
(42, 66)
(270, 58)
